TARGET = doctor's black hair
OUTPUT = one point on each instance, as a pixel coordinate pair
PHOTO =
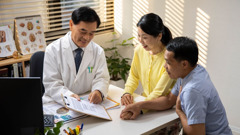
(85, 14)
(184, 48)
(153, 25)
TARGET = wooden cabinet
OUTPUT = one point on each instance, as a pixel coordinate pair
(11, 61)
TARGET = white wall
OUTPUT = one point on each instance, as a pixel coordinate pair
(218, 21)
(103, 39)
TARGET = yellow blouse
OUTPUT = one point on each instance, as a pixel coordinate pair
(149, 69)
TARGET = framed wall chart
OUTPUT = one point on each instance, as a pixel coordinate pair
(29, 34)
(7, 44)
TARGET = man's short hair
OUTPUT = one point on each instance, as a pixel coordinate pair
(184, 48)
(85, 14)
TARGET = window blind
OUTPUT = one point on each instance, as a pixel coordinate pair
(56, 14)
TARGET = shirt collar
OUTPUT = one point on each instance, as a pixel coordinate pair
(186, 78)
(73, 45)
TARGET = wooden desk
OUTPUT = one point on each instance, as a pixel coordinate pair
(12, 61)
(144, 124)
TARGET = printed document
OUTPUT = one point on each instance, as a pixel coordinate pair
(108, 103)
(61, 113)
(86, 107)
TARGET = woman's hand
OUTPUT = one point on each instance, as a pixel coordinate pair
(127, 99)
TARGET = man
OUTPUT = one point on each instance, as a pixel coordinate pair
(74, 64)
(197, 102)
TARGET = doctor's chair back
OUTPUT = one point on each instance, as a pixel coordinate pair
(36, 66)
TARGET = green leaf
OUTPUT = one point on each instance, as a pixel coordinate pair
(131, 38)
(110, 49)
(124, 41)
(56, 130)
(123, 76)
(46, 129)
(59, 124)
(112, 40)
(50, 132)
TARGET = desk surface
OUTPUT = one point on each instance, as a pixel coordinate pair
(144, 124)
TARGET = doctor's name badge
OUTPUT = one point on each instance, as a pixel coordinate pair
(90, 69)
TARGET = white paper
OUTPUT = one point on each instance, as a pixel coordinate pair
(107, 103)
(54, 108)
(86, 107)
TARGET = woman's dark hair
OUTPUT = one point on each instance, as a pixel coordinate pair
(152, 24)
(184, 48)
(85, 14)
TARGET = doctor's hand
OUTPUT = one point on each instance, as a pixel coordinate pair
(76, 96)
(130, 112)
(126, 99)
(95, 97)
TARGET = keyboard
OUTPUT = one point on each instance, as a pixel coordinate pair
(48, 120)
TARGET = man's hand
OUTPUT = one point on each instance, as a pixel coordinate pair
(95, 97)
(130, 112)
(127, 99)
(126, 115)
(76, 96)
(178, 102)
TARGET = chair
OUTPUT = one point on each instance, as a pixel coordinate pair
(36, 66)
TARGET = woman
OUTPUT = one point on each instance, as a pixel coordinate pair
(148, 61)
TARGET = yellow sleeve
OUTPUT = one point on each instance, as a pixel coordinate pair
(133, 78)
(163, 86)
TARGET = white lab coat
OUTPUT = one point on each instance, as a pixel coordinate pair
(59, 71)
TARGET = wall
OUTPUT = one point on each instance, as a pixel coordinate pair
(213, 24)
(103, 39)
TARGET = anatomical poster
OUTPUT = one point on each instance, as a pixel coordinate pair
(29, 34)
(7, 44)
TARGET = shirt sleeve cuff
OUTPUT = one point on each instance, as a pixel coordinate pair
(102, 95)
(68, 93)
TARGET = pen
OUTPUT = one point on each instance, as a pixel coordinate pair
(78, 129)
(75, 132)
(71, 131)
(65, 131)
(82, 126)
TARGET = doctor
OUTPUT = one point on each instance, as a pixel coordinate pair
(74, 64)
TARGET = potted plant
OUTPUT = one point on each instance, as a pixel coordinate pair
(118, 66)
(55, 130)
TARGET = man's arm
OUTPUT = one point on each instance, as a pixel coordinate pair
(101, 80)
(52, 78)
(194, 129)
(161, 103)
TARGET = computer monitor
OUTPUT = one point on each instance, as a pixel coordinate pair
(21, 110)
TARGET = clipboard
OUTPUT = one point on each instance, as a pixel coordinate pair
(85, 107)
